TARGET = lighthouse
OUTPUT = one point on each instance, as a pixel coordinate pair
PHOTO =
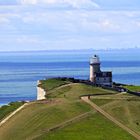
(94, 67)
(97, 76)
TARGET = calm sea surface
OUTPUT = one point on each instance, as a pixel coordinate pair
(19, 72)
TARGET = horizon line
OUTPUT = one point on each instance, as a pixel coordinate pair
(89, 49)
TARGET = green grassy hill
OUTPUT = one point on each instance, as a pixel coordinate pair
(40, 119)
(133, 88)
(94, 127)
(7, 109)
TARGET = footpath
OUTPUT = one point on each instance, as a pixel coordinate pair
(12, 114)
(97, 108)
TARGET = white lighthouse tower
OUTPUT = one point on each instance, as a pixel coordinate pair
(94, 67)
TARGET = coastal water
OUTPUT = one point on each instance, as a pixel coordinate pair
(19, 71)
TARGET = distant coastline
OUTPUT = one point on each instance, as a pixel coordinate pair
(71, 50)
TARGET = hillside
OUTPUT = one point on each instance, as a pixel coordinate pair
(64, 116)
(8, 109)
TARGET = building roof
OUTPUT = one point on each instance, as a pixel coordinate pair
(95, 59)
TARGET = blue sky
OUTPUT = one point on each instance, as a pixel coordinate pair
(69, 24)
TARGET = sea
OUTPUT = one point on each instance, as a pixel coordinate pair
(19, 71)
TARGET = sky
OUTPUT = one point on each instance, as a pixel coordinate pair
(69, 24)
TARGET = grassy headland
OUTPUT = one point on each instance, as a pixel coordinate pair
(64, 104)
(53, 83)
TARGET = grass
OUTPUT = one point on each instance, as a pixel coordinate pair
(7, 109)
(101, 102)
(133, 88)
(52, 83)
(95, 127)
(73, 92)
(64, 104)
(127, 112)
(37, 117)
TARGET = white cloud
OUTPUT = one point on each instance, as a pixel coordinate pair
(36, 24)
(4, 20)
(73, 3)
(107, 24)
(82, 3)
(27, 39)
(29, 1)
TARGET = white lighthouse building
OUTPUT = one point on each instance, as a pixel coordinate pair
(96, 75)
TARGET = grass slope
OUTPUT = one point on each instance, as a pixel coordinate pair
(73, 92)
(64, 103)
(52, 83)
(7, 109)
(126, 111)
(130, 114)
(101, 102)
(95, 127)
(133, 88)
(37, 117)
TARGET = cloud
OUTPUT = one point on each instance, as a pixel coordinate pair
(72, 3)
(27, 39)
(29, 2)
(119, 4)
(82, 3)
(4, 20)
(32, 23)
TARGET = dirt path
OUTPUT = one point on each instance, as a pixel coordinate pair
(110, 96)
(75, 119)
(41, 92)
(57, 88)
(97, 108)
(63, 124)
(20, 108)
(12, 114)
(113, 98)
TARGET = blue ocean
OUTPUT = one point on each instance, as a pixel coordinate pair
(19, 71)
